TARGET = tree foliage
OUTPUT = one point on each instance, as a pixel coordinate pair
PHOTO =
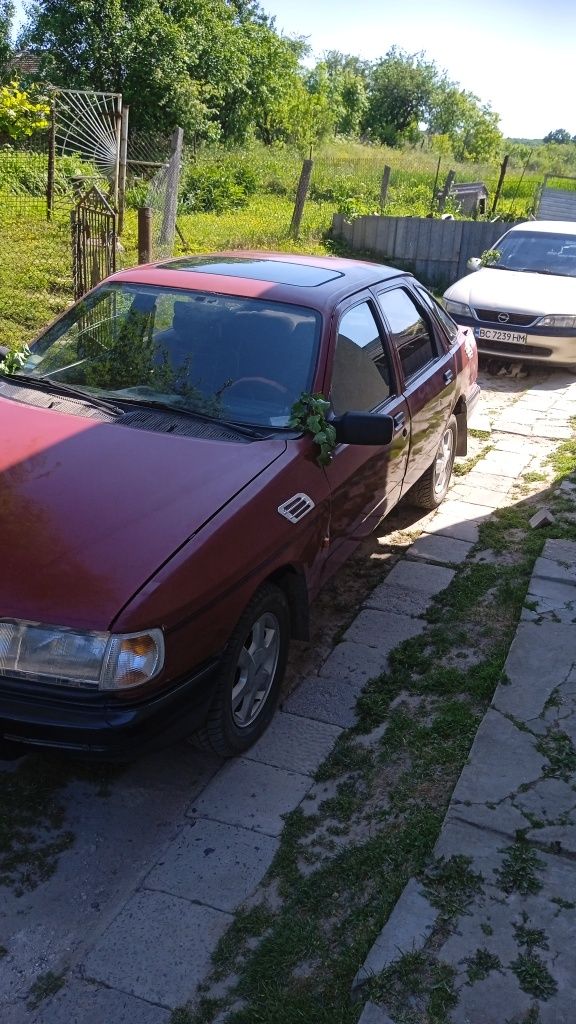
(221, 70)
(20, 115)
(559, 135)
(6, 19)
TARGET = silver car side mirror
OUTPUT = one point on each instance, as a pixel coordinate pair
(474, 263)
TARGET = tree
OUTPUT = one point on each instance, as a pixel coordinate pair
(347, 88)
(20, 116)
(559, 135)
(6, 18)
(187, 62)
(459, 116)
(399, 92)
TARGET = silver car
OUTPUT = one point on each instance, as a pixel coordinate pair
(521, 301)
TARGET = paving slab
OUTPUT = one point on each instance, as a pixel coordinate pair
(83, 1003)
(478, 494)
(482, 480)
(298, 744)
(442, 550)
(543, 652)
(383, 630)
(158, 948)
(407, 929)
(552, 596)
(459, 519)
(502, 759)
(326, 700)
(504, 463)
(512, 443)
(213, 864)
(372, 1014)
(252, 795)
(354, 662)
(409, 588)
(553, 569)
(563, 551)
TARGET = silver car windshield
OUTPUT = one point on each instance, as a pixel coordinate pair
(537, 252)
(233, 358)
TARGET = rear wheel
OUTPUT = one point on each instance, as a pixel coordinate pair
(249, 682)
(431, 489)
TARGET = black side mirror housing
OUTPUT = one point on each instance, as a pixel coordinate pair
(363, 428)
(3, 352)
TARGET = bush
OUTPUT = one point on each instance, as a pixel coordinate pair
(210, 189)
(26, 174)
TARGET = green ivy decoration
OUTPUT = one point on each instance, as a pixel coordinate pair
(489, 257)
(309, 415)
(14, 360)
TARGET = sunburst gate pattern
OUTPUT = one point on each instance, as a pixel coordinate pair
(87, 123)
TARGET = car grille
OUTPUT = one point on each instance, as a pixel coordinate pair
(511, 348)
(514, 319)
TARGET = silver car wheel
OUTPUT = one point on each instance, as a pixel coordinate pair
(443, 463)
(256, 670)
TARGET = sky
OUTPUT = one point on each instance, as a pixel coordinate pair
(517, 55)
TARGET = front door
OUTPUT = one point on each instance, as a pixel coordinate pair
(365, 480)
(428, 370)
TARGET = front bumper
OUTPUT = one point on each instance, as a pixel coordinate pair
(94, 726)
(541, 345)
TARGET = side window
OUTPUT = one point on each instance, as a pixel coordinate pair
(361, 375)
(409, 331)
(450, 328)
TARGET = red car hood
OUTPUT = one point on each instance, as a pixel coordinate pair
(90, 510)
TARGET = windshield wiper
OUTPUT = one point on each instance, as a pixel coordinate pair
(247, 429)
(45, 384)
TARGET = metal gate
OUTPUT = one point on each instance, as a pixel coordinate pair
(94, 241)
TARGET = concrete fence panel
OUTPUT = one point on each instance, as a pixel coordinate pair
(435, 250)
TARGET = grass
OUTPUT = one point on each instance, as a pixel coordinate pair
(45, 985)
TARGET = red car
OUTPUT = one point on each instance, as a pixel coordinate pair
(164, 526)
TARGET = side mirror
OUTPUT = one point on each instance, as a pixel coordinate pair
(363, 428)
(3, 352)
(474, 263)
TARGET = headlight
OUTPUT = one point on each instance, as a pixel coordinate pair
(457, 308)
(557, 321)
(98, 661)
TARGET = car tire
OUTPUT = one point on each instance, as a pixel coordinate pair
(432, 487)
(250, 677)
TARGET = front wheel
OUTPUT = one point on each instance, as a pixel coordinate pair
(249, 682)
(432, 487)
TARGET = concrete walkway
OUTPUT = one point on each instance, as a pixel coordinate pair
(150, 955)
(513, 814)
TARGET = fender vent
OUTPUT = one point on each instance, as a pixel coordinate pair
(298, 506)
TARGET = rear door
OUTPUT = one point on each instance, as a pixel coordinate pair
(365, 481)
(427, 372)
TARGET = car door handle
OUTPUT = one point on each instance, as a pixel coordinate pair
(448, 377)
(399, 422)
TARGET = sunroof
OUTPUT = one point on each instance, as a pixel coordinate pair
(275, 271)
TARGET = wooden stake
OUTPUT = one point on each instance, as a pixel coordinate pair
(144, 234)
(500, 183)
(384, 187)
(446, 190)
(301, 194)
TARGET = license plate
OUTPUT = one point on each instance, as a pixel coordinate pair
(492, 335)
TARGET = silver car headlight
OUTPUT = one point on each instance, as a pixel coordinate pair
(457, 308)
(557, 320)
(96, 661)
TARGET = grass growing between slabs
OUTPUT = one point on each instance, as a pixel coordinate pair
(377, 806)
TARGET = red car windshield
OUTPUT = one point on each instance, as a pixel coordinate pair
(236, 358)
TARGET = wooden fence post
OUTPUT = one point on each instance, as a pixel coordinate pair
(122, 167)
(301, 193)
(446, 190)
(500, 183)
(144, 234)
(384, 187)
